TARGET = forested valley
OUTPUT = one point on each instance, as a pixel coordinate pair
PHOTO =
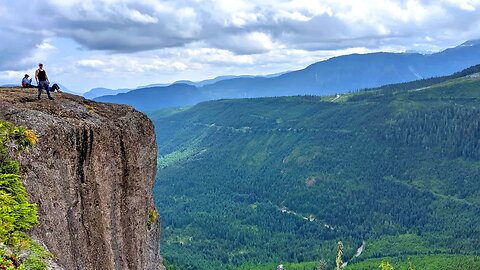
(252, 183)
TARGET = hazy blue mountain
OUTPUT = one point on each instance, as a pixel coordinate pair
(194, 83)
(67, 90)
(336, 75)
(227, 77)
(221, 78)
(100, 91)
(212, 81)
(178, 95)
(152, 85)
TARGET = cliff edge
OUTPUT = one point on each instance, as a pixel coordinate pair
(91, 175)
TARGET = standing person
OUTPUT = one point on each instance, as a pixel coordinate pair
(42, 81)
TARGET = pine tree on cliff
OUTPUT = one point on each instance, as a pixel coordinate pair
(339, 259)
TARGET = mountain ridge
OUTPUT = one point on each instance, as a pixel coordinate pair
(335, 75)
(102, 91)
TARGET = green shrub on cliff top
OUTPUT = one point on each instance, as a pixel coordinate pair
(22, 136)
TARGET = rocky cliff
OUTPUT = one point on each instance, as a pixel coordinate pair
(91, 175)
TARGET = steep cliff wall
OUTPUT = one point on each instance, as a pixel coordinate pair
(91, 174)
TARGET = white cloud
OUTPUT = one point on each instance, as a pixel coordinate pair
(132, 64)
(45, 46)
(91, 63)
(468, 5)
(167, 40)
(132, 25)
(137, 16)
(11, 75)
(246, 43)
(179, 65)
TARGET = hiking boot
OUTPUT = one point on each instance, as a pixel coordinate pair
(51, 98)
(38, 97)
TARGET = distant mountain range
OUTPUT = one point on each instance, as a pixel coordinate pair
(67, 90)
(101, 91)
(336, 75)
(227, 77)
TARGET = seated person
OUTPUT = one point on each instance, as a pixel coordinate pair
(55, 88)
(27, 83)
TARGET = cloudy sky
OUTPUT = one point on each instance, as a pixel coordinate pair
(127, 43)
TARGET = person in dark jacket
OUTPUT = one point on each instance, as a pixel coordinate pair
(42, 81)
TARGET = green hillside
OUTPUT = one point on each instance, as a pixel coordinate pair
(275, 180)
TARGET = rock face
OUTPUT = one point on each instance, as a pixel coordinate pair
(91, 175)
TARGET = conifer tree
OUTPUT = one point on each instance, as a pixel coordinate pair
(386, 266)
(322, 265)
(411, 266)
(339, 259)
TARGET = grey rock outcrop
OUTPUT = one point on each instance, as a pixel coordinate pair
(91, 175)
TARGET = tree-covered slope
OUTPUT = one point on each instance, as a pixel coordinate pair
(283, 179)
